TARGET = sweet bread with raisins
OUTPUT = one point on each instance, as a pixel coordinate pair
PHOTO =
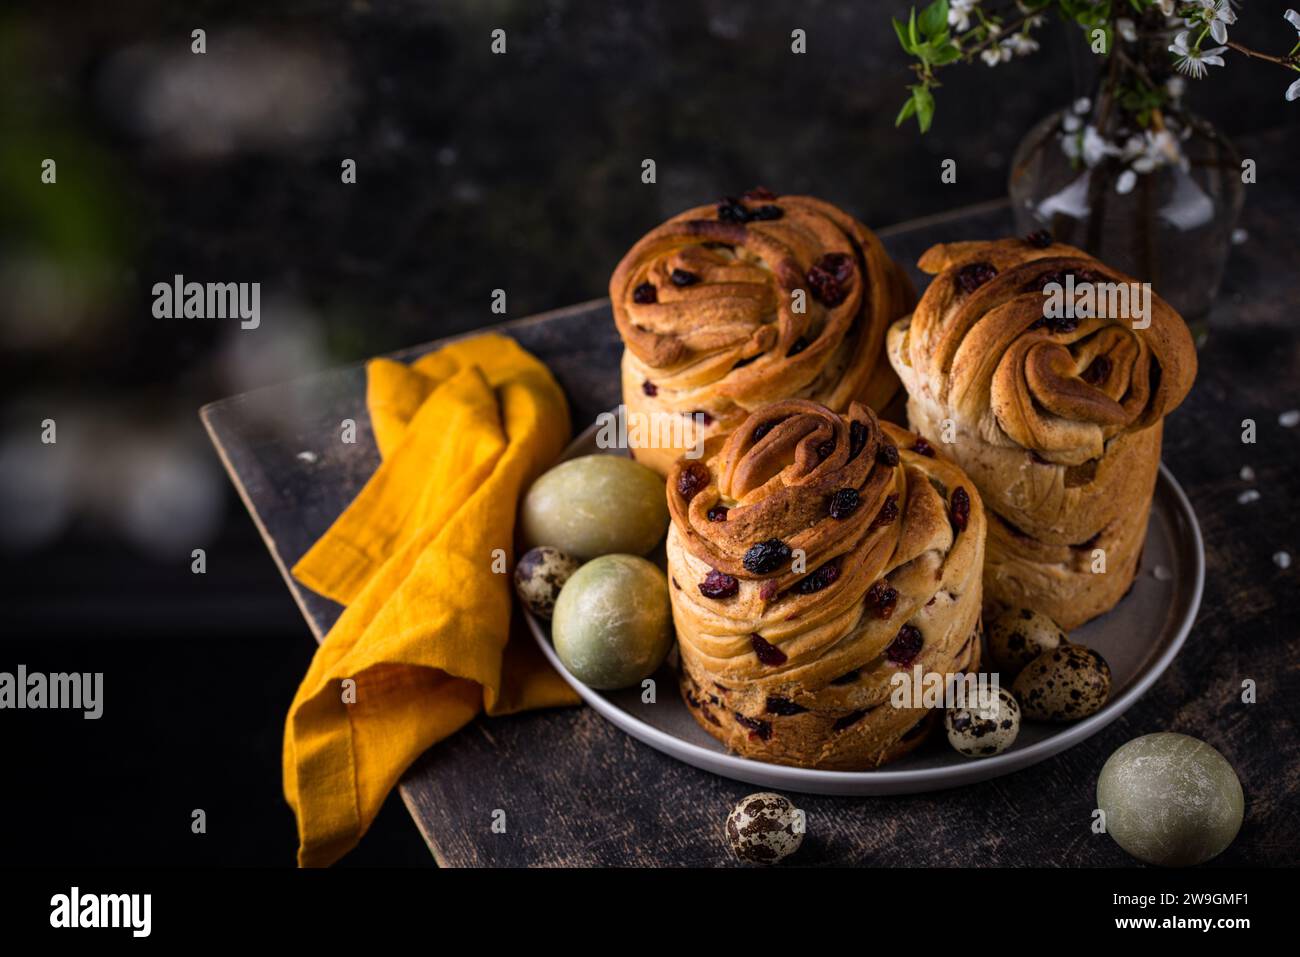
(812, 557)
(725, 308)
(1053, 404)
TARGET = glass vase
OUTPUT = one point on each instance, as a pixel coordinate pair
(1160, 205)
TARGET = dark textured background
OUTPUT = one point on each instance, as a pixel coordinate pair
(474, 172)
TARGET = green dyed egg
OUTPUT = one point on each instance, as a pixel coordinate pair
(1170, 799)
(612, 625)
(596, 505)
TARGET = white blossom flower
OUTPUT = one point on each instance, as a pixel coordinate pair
(1141, 154)
(1032, 20)
(1176, 86)
(1127, 29)
(1293, 91)
(1096, 147)
(959, 13)
(1082, 105)
(1070, 145)
(1193, 62)
(1166, 7)
(962, 15)
(1071, 123)
(1218, 14)
(996, 53)
(1153, 149)
(1020, 45)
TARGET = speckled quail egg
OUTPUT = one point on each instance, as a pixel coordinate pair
(1018, 636)
(1065, 684)
(765, 828)
(981, 732)
(540, 575)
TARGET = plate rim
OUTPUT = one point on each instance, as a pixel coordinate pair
(886, 780)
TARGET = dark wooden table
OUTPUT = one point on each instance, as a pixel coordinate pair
(577, 791)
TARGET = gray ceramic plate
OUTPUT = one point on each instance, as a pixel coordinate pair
(1139, 638)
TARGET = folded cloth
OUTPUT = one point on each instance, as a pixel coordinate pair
(420, 559)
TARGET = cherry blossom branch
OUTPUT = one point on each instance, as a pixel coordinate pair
(968, 55)
(1287, 61)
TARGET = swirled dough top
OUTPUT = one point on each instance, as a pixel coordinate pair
(754, 309)
(1062, 386)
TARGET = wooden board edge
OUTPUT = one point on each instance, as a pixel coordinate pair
(267, 540)
(936, 219)
(413, 809)
(206, 418)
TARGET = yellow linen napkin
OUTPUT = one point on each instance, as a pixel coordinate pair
(462, 433)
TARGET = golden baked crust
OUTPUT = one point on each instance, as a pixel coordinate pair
(792, 663)
(725, 338)
(1057, 422)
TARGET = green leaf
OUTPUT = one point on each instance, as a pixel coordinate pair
(934, 19)
(911, 28)
(947, 54)
(924, 107)
(908, 109)
(902, 35)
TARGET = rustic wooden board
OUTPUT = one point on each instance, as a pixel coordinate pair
(576, 791)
